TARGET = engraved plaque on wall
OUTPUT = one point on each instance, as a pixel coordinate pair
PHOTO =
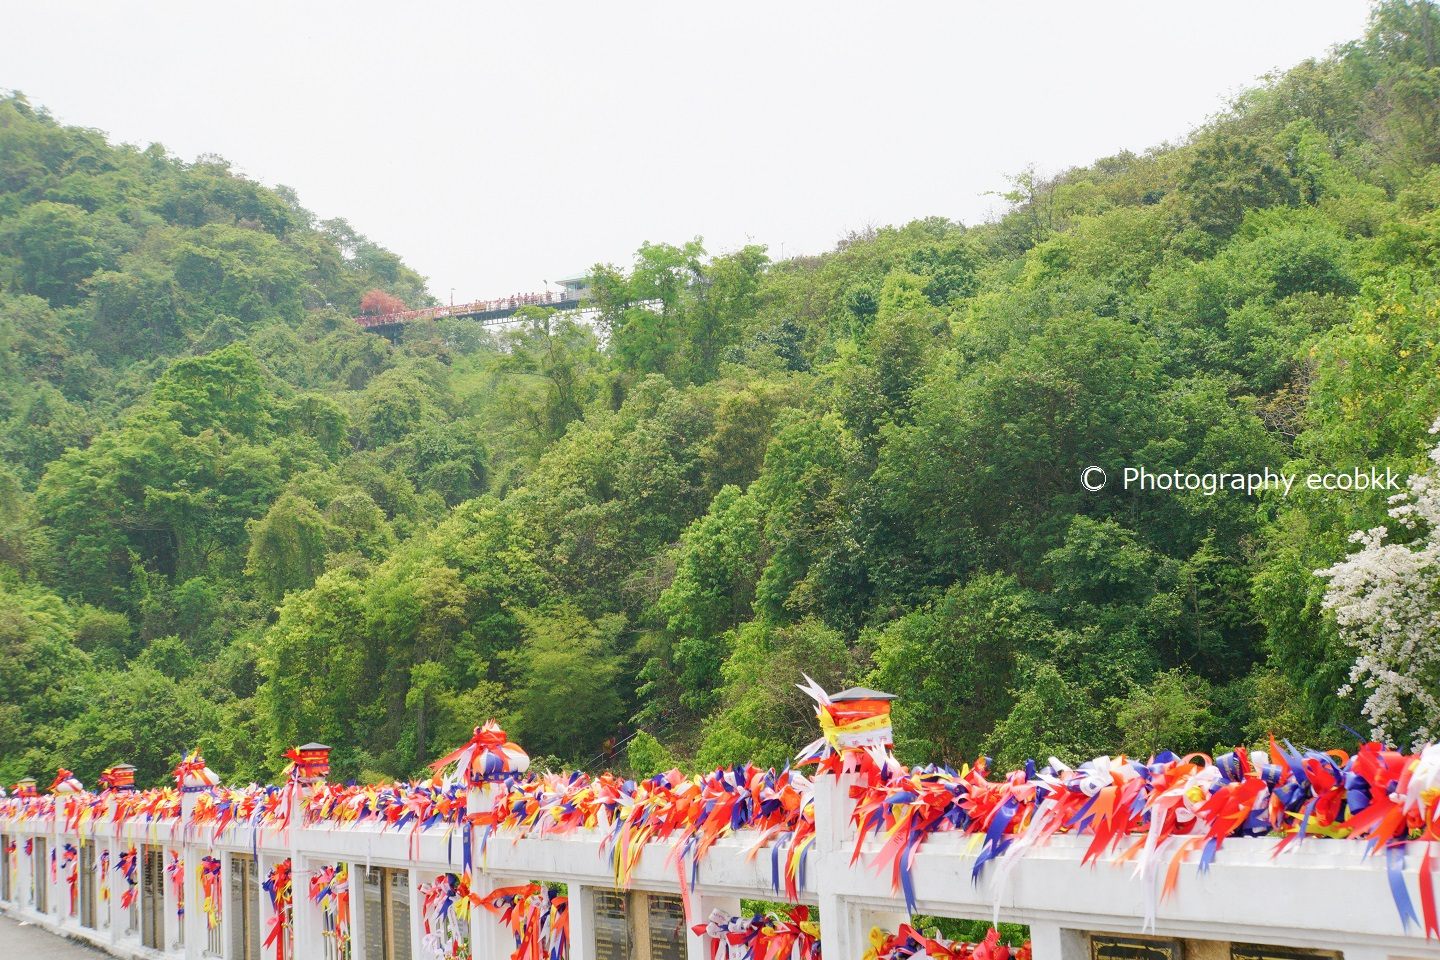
(1259, 951)
(668, 931)
(612, 925)
(1106, 947)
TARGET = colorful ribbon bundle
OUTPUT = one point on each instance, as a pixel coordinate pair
(65, 783)
(70, 867)
(330, 892)
(910, 944)
(125, 865)
(223, 809)
(392, 805)
(695, 812)
(855, 731)
(762, 937)
(67, 790)
(487, 757)
(210, 891)
(102, 870)
(445, 911)
(416, 807)
(109, 779)
(1130, 809)
(152, 806)
(308, 763)
(192, 775)
(83, 809)
(24, 809)
(176, 871)
(281, 891)
(537, 916)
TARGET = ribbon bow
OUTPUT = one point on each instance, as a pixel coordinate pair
(487, 757)
(192, 775)
(65, 782)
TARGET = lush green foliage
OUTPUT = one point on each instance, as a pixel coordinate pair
(229, 516)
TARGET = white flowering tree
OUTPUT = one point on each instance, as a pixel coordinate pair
(1386, 601)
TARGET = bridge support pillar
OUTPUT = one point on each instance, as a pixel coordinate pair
(582, 921)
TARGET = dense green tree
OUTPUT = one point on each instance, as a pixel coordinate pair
(139, 716)
(41, 661)
(974, 635)
(765, 718)
(287, 547)
(1173, 708)
(314, 662)
(566, 700)
(1052, 717)
(56, 246)
(863, 465)
(716, 569)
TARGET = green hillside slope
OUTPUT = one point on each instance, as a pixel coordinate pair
(228, 516)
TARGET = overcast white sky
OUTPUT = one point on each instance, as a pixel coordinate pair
(498, 145)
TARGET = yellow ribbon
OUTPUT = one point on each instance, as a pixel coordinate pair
(833, 730)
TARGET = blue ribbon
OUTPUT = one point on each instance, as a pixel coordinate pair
(1395, 870)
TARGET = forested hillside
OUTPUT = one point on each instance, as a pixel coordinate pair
(229, 516)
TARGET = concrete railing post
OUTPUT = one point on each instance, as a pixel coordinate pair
(697, 945)
(311, 767)
(191, 851)
(838, 937)
(845, 926)
(417, 912)
(581, 910)
(111, 880)
(1046, 942)
(304, 916)
(308, 919)
(24, 881)
(489, 940)
(53, 900)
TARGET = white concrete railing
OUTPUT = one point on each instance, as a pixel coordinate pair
(1323, 895)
